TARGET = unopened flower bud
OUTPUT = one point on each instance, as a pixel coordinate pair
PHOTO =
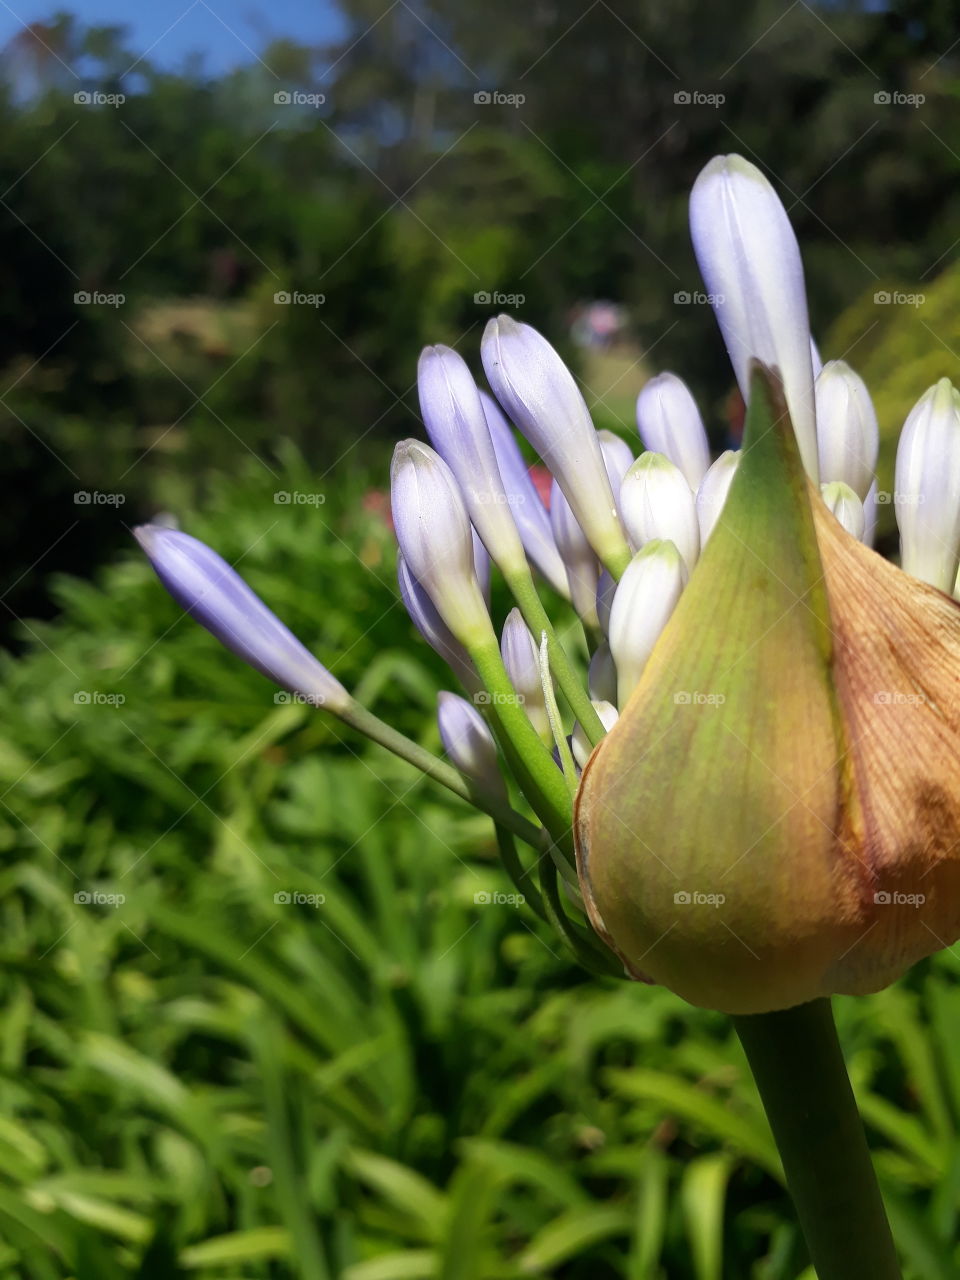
(531, 516)
(539, 394)
(215, 595)
(657, 502)
(848, 437)
(433, 628)
(669, 422)
(583, 569)
(775, 816)
(842, 502)
(927, 487)
(617, 458)
(436, 538)
(521, 658)
(457, 426)
(646, 596)
(469, 743)
(750, 263)
(713, 491)
(580, 744)
(602, 675)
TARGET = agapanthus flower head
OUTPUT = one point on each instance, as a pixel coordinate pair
(735, 751)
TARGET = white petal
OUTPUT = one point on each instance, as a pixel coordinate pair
(927, 488)
(848, 437)
(657, 502)
(457, 426)
(436, 538)
(841, 500)
(750, 262)
(713, 490)
(469, 743)
(669, 422)
(583, 568)
(522, 661)
(646, 597)
(580, 744)
(537, 391)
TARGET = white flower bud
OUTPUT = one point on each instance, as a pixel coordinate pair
(927, 487)
(848, 437)
(657, 502)
(669, 422)
(647, 595)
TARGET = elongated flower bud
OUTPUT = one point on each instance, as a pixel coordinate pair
(602, 675)
(927, 487)
(750, 262)
(481, 565)
(847, 433)
(457, 426)
(469, 743)
(522, 661)
(657, 502)
(538, 392)
(436, 538)
(669, 422)
(646, 597)
(617, 458)
(713, 491)
(806, 691)
(580, 744)
(870, 515)
(215, 595)
(530, 514)
(842, 502)
(606, 590)
(433, 628)
(583, 569)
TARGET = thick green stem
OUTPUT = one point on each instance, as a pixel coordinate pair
(373, 727)
(796, 1059)
(540, 780)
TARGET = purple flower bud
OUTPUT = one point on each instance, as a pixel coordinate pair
(750, 263)
(469, 743)
(455, 421)
(436, 538)
(433, 628)
(521, 657)
(204, 585)
(583, 568)
(531, 516)
(538, 392)
(669, 422)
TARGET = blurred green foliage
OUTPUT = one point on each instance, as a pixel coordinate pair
(396, 1082)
